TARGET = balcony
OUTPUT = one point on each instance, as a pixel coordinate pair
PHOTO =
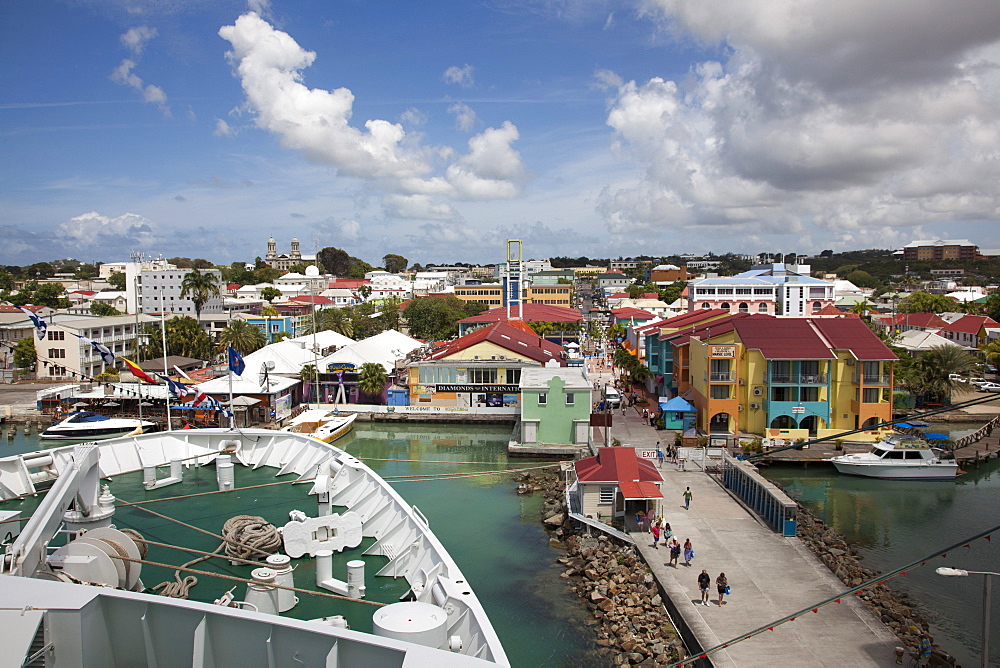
(798, 379)
(722, 377)
(872, 379)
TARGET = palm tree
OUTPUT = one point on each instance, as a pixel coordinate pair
(929, 374)
(372, 379)
(242, 336)
(335, 319)
(863, 308)
(200, 288)
(991, 351)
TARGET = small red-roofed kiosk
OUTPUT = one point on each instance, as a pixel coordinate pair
(616, 483)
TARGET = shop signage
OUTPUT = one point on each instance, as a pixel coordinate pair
(724, 351)
(334, 367)
(478, 388)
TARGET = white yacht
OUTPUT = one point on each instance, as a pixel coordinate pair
(327, 426)
(899, 456)
(88, 426)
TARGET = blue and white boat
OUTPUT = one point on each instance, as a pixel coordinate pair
(89, 426)
(899, 456)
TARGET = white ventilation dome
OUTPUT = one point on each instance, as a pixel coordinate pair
(420, 623)
(312, 270)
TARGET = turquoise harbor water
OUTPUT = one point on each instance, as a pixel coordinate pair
(492, 533)
(893, 523)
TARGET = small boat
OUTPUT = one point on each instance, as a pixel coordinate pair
(327, 426)
(899, 456)
(87, 425)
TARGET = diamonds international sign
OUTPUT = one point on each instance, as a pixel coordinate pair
(478, 388)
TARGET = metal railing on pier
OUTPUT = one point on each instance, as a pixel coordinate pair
(761, 496)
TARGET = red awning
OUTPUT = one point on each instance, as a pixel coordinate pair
(640, 490)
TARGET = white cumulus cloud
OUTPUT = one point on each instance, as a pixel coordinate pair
(94, 230)
(492, 169)
(465, 117)
(854, 117)
(135, 40)
(461, 76)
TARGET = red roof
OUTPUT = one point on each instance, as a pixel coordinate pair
(785, 339)
(619, 295)
(311, 299)
(530, 313)
(694, 317)
(650, 295)
(82, 292)
(348, 283)
(921, 320)
(829, 309)
(629, 312)
(9, 308)
(704, 330)
(854, 335)
(616, 465)
(640, 490)
(970, 324)
(510, 336)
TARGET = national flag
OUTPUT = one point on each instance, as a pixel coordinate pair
(40, 325)
(103, 350)
(179, 390)
(236, 363)
(139, 373)
(200, 398)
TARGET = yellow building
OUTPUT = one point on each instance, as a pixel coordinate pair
(490, 294)
(785, 377)
(556, 295)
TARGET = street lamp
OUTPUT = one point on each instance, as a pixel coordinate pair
(987, 585)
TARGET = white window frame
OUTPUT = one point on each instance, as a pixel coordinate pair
(606, 495)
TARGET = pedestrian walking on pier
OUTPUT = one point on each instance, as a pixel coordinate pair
(668, 533)
(640, 520)
(704, 580)
(675, 552)
(722, 584)
(687, 498)
(659, 455)
(655, 529)
(645, 416)
(688, 552)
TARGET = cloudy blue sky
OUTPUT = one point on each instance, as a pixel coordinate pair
(436, 130)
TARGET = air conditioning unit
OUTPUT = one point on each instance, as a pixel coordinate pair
(475, 357)
(741, 407)
(758, 391)
(755, 407)
(493, 357)
(742, 382)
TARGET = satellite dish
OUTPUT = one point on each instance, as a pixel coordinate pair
(262, 377)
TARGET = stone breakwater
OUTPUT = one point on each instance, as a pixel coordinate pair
(891, 607)
(631, 624)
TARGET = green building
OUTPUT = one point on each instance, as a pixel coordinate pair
(555, 409)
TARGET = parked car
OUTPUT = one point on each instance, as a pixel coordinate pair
(977, 382)
(989, 387)
(957, 377)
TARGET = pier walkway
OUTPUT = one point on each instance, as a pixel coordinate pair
(770, 577)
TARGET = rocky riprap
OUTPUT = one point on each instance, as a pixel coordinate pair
(617, 587)
(893, 608)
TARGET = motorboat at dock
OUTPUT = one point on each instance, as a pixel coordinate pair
(88, 426)
(899, 456)
(327, 426)
(70, 542)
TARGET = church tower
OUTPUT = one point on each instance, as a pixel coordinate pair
(296, 255)
(272, 251)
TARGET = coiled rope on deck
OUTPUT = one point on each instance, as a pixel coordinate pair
(243, 537)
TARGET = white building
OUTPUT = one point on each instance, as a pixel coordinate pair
(63, 355)
(773, 289)
(159, 290)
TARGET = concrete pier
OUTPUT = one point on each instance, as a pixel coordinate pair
(770, 576)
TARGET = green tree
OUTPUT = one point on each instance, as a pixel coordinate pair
(86, 271)
(672, 292)
(265, 274)
(335, 319)
(242, 336)
(103, 309)
(394, 263)
(389, 314)
(52, 295)
(991, 351)
(269, 294)
(928, 375)
(117, 280)
(185, 337)
(436, 318)
(24, 353)
(280, 336)
(924, 302)
(862, 279)
(238, 273)
(199, 288)
(6, 280)
(372, 379)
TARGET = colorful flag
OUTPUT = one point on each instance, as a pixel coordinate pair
(236, 364)
(103, 350)
(200, 398)
(40, 325)
(138, 373)
(179, 390)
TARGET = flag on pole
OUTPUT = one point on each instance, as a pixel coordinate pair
(40, 325)
(103, 350)
(139, 373)
(236, 364)
(200, 398)
(179, 390)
